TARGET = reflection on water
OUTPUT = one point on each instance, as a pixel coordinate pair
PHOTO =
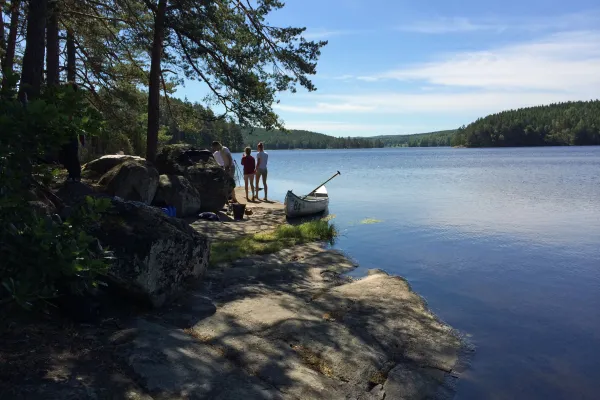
(503, 243)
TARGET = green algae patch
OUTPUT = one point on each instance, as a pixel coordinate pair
(285, 236)
(370, 221)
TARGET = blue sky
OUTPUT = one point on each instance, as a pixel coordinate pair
(397, 67)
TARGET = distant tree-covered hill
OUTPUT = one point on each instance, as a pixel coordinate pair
(298, 139)
(430, 139)
(563, 124)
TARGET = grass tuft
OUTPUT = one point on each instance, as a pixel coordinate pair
(283, 237)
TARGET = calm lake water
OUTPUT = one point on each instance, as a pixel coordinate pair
(504, 244)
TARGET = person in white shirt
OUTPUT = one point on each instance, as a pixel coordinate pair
(219, 158)
(223, 157)
(262, 159)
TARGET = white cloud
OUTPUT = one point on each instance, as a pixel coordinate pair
(462, 86)
(478, 102)
(444, 25)
(450, 25)
(563, 62)
(338, 127)
(320, 34)
(326, 108)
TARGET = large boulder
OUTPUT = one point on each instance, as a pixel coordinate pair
(154, 255)
(177, 191)
(176, 158)
(213, 184)
(201, 169)
(102, 165)
(132, 180)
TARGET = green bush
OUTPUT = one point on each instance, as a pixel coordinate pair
(45, 258)
(42, 257)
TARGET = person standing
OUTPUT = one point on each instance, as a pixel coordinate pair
(249, 170)
(262, 159)
(224, 158)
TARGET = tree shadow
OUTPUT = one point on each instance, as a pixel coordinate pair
(306, 337)
(283, 325)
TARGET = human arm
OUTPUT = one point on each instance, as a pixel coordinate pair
(257, 161)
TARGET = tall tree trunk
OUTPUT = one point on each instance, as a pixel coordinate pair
(33, 59)
(71, 57)
(154, 82)
(2, 42)
(52, 45)
(11, 44)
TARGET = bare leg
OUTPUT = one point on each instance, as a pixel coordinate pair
(246, 179)
(257, 185)
(251, 179)
(264, 179)
(233, 198)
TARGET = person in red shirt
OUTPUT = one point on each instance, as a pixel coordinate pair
(249, 169)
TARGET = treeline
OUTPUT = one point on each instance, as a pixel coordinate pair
(430, 139)
(562, 124)
(300, 139)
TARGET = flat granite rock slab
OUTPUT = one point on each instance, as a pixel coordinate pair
(168, 362)
(347, 338)
(290, 325)
(261, 220)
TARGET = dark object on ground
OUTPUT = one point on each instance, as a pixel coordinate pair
(238, 211)
(209, 216)
(170, 211)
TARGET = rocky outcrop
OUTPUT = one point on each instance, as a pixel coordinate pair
(154, 255)
(176, 158)
(201, 169)
(177, 191)
(294, 327)
(131, 180)
(102, 165)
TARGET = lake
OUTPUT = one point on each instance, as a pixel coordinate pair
(504, 244)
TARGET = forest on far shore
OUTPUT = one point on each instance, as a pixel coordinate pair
(561, 124)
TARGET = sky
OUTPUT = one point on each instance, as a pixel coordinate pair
(402, 67)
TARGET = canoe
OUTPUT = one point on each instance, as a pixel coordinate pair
(296, 206)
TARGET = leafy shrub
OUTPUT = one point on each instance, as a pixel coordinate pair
(42, 257)
(45, 258)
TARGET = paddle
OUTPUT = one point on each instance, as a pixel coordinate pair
(322, 184)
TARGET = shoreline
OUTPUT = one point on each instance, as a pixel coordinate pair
(379, 310)
(285, 325)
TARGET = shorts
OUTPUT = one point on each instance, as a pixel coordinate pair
(262, 172)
